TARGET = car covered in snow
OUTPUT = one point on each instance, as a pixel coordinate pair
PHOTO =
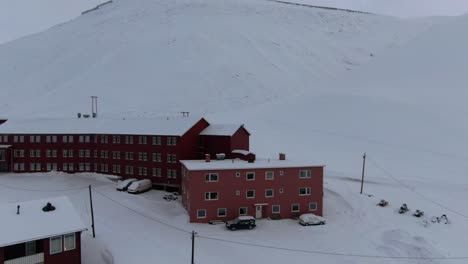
(241, 222)
(122, 186)
(140, 186)
(311, 219)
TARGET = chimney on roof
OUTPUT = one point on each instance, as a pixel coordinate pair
(282, 156)
(207, 158)
(48, 208)
(17, 210)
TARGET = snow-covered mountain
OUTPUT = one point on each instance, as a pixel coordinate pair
(198, 55)
(317, 84)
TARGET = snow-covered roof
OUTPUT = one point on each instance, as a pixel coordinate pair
(221, 129)
(32, 223)
(173, 126)
(231, 164)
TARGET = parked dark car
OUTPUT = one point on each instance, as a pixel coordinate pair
(241, 222)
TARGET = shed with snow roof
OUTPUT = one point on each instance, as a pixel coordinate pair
(33, 233)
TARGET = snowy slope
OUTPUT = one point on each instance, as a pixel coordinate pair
(141, 56)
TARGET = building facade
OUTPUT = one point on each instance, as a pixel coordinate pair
(33, 236)
(127, 148)
(225, 189)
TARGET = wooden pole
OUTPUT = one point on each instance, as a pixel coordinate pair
(92, 211)
(193, 247)
(363, 170)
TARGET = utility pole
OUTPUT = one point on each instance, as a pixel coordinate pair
(193, 246)
(92, 211)
(363, 170)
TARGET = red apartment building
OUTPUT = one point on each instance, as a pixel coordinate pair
(132, 148)
(227, 188)
(30, 235)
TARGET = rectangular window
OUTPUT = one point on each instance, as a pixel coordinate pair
(38, 153)
(303, 174)
(88, 153)
(250, 194)
(211, 177)
(104, 139)
(222, 212)
(30, 248)
(142, 156)
(48, 153)
(65, 139)
(156, 172)
(16, 166)
(237, 193)
(171, 141)
(304, 191)
(116, 154)
(38, 139)
(128, 139)
(295, 208)
(15, 139)
(250, 176)
(47, 139)
(54, 153)
(201, 213)
(210, 196)
(32, 139)
(65, 153)
(88, 139)
(70, 153)
(157, 157)
(129, 169)
(70, 139)
(142, 171)
(243, 211)
(312, 206)
(69, 242)
(55, 245)
(81, 139)
(141, 140)
(116, 139)
(171, 158)
(32, 153)
(54, 139)
(80, 153)
(269, 193)
(156, 140)
(281, 190)
(275, 209)
(129, 155)
(269, 175)
(65, 166)
(21, 139)
(171, 174)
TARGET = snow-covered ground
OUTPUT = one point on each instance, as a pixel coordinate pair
(145, 228)
(319, 85)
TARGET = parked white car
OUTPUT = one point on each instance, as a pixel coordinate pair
(311, 219)
(140, 186)
(123, 185)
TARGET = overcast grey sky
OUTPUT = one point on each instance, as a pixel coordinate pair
(22, 17)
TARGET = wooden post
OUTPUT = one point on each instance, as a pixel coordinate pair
(193, 247)
(92, 211)
(363, 170)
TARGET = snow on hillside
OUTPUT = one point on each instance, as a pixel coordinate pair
(141, 56)
(303, 82)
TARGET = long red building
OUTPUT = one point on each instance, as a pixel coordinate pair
(132, 148)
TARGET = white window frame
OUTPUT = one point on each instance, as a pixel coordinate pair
(246, 210)
(305, 174)
(307, 193)
(225, 212)
(247, 176)
(247, 194)
(208, 196)
(198, 213)
(272, 193)
(269, 175)
(69, 247)
(50, 245)
(316, 206)
(209, 177)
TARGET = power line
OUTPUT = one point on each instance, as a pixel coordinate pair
(41, 190)
(414, 191)
(332, 253)
(143, 215)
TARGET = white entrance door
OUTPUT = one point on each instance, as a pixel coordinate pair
(258, 211)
